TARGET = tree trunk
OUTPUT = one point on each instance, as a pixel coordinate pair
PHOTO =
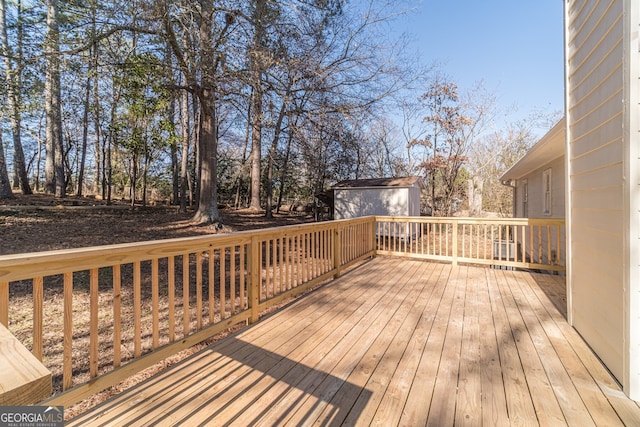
(474, 195)
(207, 145)
(5, 183)
(208, 200)
(202, 80)
(175, 167)
(54, 170)
(283, 174)
(256, 149)
(184, 172)
(256, 58)
(272, 154)
(97, 161)
(243, 163)
(13, 77)
(85, 137)
(108, 179)
(194, 193)
(145, 175)
(175, 176)
(134, 179)
(107, 169)
(38, 163)
(97, 131)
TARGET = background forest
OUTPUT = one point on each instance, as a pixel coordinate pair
(244, 103)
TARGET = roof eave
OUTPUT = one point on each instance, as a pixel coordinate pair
(549, 148)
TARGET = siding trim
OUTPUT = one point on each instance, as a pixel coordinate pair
(568, 5)
(595, 69)
(631, 238)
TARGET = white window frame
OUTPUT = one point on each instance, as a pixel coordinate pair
(546, 192)
(525, 198)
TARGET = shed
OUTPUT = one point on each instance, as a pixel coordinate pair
(378, 196)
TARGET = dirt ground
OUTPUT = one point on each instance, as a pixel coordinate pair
(41, 223)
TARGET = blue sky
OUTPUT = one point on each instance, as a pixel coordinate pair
(515, 46)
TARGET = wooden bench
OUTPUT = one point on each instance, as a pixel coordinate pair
(23, 378)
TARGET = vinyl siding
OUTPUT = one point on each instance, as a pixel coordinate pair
(595, 87)
(633, 386)
(536, 195)
(357, 202)
(535, 199)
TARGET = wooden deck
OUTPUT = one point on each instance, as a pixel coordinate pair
(394, 342)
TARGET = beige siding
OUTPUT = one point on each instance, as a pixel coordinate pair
(536, 195)
(519, 196)
(535, 198)
(603, 119)
(595, 87)
(633, 387)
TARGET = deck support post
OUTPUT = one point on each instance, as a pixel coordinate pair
(254, 280)
(337, 251)
(374, 248)
(454, 243)
(4, 303)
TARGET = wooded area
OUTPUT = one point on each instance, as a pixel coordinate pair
(247, 103)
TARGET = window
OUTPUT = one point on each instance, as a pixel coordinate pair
(546, 192)
(525, 198)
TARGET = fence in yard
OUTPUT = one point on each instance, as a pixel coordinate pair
(98, 315)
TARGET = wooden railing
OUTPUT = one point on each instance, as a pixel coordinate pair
(510, 242)
(98, 315)
(101, 314)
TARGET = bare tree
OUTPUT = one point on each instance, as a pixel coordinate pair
(257, 65)
(452, 125)
(54, 166)
(5, 184)
(494, 153)
(201, 73)
(13, 78)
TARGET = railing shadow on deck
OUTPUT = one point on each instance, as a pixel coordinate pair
(105, 313)
(211, 390)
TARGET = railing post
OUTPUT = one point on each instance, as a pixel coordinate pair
(337, 251)
(454, 243)
(374, 242)
(4, 304)
(254, 280)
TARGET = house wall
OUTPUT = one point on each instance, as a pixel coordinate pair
(600, 201)
(534, 188)
(633, 156)
(357, 202)
(535, 192)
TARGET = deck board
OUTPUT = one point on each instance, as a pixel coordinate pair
(393, 342)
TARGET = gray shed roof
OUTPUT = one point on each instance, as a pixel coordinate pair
(400, 182)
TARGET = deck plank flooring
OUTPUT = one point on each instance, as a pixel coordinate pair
(393, 342)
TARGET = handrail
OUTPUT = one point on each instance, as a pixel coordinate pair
(530, 243)
(128, 306)
(101, 314)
